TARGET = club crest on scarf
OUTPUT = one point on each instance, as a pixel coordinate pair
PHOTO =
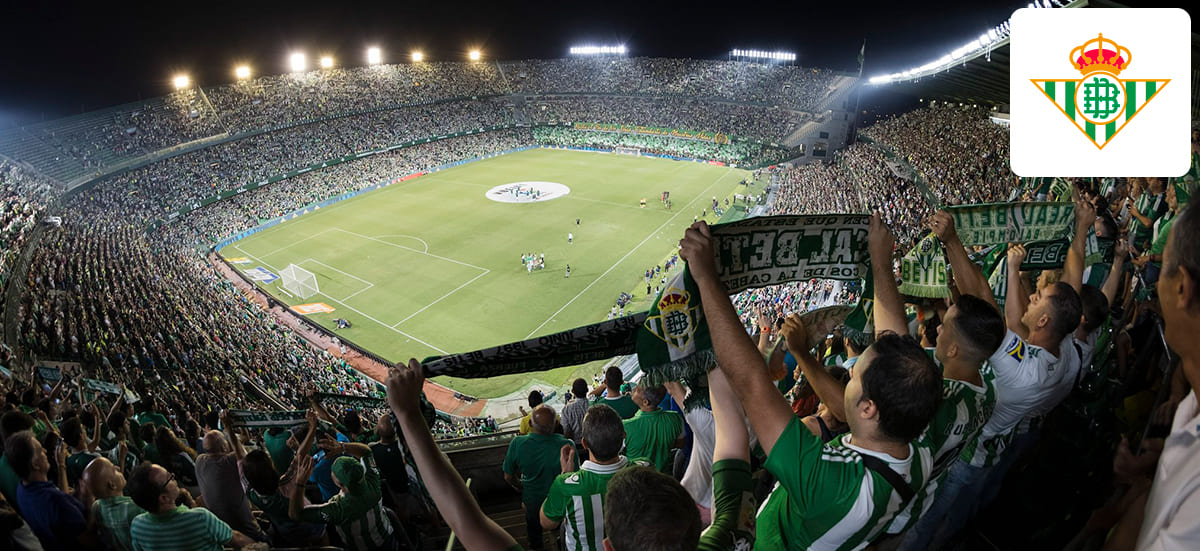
(676, 320)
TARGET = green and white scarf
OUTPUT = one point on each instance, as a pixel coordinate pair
(674, 343)
(995, 223)
(598, 341)
(923, 270)
(256, 419)
(352, 402)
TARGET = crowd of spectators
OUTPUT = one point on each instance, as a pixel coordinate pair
(87, 301)
(151, 192)
(858, 179)
(788, 86)
(741, 153)
(698, 115)
(961, 153)
(23, 198)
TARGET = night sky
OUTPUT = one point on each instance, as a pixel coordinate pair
(60, 58)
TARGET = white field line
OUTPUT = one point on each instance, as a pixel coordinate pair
(336, 270)
(285, 247)
(414, 250)
(351, 295)
(631, 251)
(426, 245)
(426, 307)
(351, 308)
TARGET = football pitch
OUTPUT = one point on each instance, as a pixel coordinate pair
(432, 265)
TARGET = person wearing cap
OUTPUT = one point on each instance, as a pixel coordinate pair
(356, 512)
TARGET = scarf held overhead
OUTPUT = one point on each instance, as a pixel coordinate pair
(990, 224)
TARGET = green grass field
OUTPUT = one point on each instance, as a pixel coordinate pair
(432, 266)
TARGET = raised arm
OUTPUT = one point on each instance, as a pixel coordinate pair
(1015, 302)
(453, 500)
(967, 275)
(1085, 218)
(94, 441)
(227, 424)
(729, 420)
(677, 392)
(888, 309)
(1113, 282)
(736, 354)
(830, 390)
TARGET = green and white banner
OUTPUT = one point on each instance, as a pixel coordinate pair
(576, 346)
(52, 374)
(102, 386)
(348, 401)
(257, 419)
(762, 251)
(1012, 222)
(923, 270)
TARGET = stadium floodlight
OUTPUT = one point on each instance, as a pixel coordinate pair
(763, 54)
(418, 57)
(181, 81)
(598, 50)
(326, 62)
(474, 55)
(242, 72)
(374, 56)
(298, 62)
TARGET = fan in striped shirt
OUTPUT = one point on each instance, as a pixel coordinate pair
(167, 526)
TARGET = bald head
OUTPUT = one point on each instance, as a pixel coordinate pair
(542, 420)
(103, 478)
(214, 442)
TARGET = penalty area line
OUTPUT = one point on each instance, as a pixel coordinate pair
(351, 308)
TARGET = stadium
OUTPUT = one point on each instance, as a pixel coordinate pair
(451, 286)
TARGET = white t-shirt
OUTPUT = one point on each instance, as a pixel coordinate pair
(1027, 378)
(697, 479)
(1172, 518)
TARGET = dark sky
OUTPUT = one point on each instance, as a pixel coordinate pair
(63, 57)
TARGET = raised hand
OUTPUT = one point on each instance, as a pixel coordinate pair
(1016, 256)
(404, 385)
(794, 332)
(696, 248)
(943, 226)
(880, 241)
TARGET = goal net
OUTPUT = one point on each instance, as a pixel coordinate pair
(628, 151)
(299, 282)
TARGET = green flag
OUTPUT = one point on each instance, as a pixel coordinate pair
(923, 270)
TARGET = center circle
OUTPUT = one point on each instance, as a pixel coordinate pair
(527, 192)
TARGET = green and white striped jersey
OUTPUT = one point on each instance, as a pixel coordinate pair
(578, 500)
(826, 499)
(965, 408)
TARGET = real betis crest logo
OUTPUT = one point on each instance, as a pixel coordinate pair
(676, 320)
(1100, 104)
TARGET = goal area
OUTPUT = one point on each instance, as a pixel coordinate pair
(298, 281)
(635, 151)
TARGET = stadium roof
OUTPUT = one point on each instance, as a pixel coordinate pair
(984, 79)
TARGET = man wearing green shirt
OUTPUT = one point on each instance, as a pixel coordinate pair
(530, 466)
(275, 439)
(652, 432)
(165, 525)
(356, 512)
(577, 498)
(112, 510)
(839, 495)
(613, 398)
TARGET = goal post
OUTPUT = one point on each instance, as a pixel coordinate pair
(621, 150)
(299, 282)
